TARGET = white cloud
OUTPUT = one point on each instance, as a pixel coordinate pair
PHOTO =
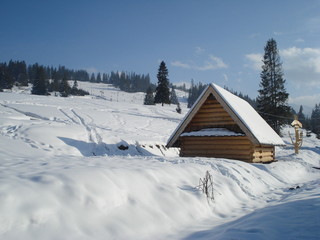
(309, 100)
(255, 60)
(301, 66)
(212, 63)
(225, 77)
(180, 64)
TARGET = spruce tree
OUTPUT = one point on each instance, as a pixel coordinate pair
(98, 78)
(162, 91)
(301, 116)
(315, 119)
(149, 98)
(92, 78)
(39, 84)
(272, 98)
(173, 97)
(65, 88)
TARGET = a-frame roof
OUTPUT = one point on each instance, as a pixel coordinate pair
(250, 122)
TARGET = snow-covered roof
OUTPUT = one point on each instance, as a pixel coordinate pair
(217, 132)
(250, 122)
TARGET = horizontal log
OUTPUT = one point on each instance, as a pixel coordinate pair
(264, 159)
(217, 138)
(216, 146)
(237, 157)
(225, 144)
(207, 123)
(211, 101)
(217, 151)
(271, 149)
(263, 154)
(212, 119)
(211, 113)
(212, 106)
(212, 110)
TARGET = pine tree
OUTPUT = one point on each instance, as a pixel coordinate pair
(194, 92)
(39, 84)
(162, 90)
(315, 119)
(92, 78)
(75, 84)
(173, 97)
(272, 98)
(6, 81)
(301, 116)
(98, 78)
(65, 88)
(149, 98)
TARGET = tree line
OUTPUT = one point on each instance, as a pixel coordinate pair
(52, 79)
(44, 80)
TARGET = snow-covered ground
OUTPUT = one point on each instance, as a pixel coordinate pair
(95, 167)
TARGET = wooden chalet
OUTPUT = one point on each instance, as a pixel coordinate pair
(222, 125)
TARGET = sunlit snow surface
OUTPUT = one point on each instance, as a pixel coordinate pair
(95, 167)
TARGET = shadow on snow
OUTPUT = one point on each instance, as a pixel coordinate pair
(122, 148)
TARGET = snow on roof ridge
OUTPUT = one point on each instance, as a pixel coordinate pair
(249, 117)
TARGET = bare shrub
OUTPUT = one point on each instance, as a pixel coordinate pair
(206, 185)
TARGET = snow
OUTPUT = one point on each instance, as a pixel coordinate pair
(248, 115)
(212, 132)
(63, 175)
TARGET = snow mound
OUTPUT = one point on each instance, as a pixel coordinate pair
(96, 168)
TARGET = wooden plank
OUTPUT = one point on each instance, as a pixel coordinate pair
(211, 101)
(217, 151)
(207, 123)
(237, 147)
(264, 159)
(226, 143)
(212, 106)
(218, 138)
(237, 157)
(212, 110)
(211, 118)
(212, 114)
(263, 149)
(217, 146)
(263, 154)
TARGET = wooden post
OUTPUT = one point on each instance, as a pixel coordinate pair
(298, 134)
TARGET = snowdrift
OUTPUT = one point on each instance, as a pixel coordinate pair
(95, 167)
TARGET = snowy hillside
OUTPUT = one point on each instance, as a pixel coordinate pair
(95, 167)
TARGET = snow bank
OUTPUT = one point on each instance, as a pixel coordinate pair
(92, 168)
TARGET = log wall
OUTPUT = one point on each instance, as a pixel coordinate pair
(211, 114)
(231, 147)
(237, 147)
(263, 153)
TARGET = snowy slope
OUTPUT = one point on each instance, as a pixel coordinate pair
(95, 167)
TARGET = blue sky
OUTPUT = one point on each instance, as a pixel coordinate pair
(207, 41)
